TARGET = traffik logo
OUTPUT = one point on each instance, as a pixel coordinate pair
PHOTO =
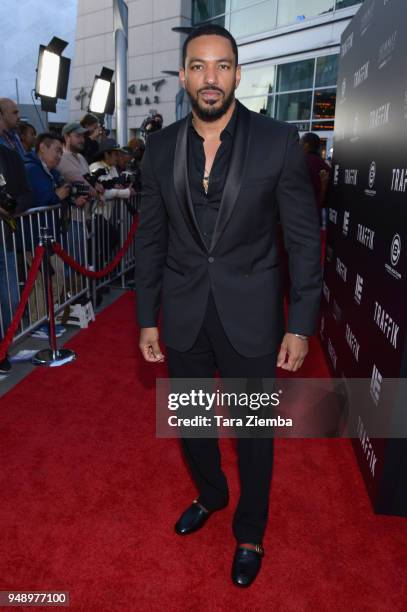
(341, 269)
(322, 327)
(386, 50)
(333, 216)
(343, 91)
(355, 128)
(372, 174)
(399, 179)
(358, 288)
(366, 19)
(326, 291)
(332, 353)
(395, 251)
(329, 253)
(371, 179)
(336, 174)
(351, 176)
(361, 75)
(367, 447)
(375, 385)
(345, 226)
(352, 342)
(386, 324)
(336, 311)
(379, 116)
(365, 236)
(347, 45)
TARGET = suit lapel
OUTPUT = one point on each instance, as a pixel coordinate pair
(181, 182)
(233, 181)
(237, 164)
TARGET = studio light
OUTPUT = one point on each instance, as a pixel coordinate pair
(102, 95)
(52, 74)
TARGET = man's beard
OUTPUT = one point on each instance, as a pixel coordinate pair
(211, 112)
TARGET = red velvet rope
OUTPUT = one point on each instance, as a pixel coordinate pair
(32, 275)
(105, 271)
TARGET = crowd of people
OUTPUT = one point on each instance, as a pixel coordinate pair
(84, 168)
(80, 168)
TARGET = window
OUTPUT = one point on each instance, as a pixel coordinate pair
(293, 106)
(291, 11)
(296, 75)
(324, 104)
(301, 92)
(257, 18)
(261, 104)
(344, 3)
(327, 71)
(203, 10)
(256, 81)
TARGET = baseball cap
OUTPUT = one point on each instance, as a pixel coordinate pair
(74, 127)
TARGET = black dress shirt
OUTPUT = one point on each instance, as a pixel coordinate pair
(206, 206)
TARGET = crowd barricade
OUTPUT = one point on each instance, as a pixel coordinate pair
(90, 237)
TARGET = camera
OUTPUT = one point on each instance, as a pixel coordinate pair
(8, 204)
(79, 189)
(152, 123)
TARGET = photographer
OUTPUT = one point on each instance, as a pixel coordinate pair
(152, 123)
(92, 136)
(73, 166)
(44, 178)
(104, 168)
(15, 197)
(48, 190)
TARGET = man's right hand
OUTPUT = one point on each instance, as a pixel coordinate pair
(63, 192)
(149, 345)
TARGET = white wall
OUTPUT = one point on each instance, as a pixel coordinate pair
(153, 47)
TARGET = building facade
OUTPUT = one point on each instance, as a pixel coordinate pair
(288, 49)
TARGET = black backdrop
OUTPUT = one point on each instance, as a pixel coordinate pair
(364, 306)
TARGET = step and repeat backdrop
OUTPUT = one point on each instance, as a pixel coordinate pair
(364, 304)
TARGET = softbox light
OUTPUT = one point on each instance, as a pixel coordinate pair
(102, 95)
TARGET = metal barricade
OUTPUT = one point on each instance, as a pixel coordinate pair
(16, 255)
(92, 240)
(110, 226)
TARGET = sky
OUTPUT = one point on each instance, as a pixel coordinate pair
(25, 24)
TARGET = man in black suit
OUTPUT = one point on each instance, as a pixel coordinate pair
(215, 185)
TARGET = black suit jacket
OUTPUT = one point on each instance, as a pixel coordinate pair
(267, 180)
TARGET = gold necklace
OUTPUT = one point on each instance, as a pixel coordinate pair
(205, 182)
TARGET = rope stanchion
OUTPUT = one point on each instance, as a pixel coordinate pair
(51, 356)
(32, 275)
(100, 273)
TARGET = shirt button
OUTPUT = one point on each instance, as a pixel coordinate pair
(211, 259)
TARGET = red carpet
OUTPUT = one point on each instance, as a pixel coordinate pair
(89, 498)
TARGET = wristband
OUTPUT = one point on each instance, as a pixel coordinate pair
(301, 336)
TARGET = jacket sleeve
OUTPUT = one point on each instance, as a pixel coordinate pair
(300, 223)
(150, 245)
(42, 188)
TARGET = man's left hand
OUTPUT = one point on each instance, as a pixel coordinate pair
(295, 349)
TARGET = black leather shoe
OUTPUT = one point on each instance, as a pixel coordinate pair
(246, 564)
(192, 519)
(5, 366)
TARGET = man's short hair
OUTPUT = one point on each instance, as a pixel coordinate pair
(312, 140)
(47, 138)
(207, 30)
(88, 120)
(23, 127)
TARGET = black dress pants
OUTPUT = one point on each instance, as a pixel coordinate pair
(212, 351)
